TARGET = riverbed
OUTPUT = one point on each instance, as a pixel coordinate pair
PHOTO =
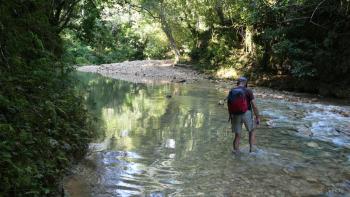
(175, 140)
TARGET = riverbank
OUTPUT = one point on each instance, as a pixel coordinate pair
(164, 71)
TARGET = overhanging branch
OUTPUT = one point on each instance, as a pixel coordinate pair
(313, 13)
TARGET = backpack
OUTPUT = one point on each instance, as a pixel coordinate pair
(237, 101)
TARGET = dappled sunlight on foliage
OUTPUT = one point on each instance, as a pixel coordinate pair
(227, 73)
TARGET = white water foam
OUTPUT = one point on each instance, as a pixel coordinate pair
(323, 122)
(327, 124)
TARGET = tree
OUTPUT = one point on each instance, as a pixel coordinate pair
(158, 12)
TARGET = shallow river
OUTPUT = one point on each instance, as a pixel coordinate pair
(153, 145)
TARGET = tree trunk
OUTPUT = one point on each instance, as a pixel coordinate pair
(266, 56)
(167, 30)
(249, 46)
(220, 12)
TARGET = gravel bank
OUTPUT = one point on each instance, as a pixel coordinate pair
(145, 71)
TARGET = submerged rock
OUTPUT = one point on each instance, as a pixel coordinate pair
(344, 130)
(305, 131)
(340, 112)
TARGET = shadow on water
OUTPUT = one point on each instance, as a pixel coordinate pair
(153, 145)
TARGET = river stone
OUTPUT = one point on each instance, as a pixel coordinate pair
(66, 146)
(311, 180)
(285, 170)
(270, 123)
(312, 145)
(305, 131)
(298, 114)
(343, 130)
(53, 142)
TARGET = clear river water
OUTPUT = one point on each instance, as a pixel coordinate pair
(175, 140)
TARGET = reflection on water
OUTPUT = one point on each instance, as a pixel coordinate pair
(153, 145)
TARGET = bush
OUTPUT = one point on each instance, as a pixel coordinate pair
(43, 122)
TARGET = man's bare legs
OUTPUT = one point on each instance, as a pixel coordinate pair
(252, 141)
(236, 142)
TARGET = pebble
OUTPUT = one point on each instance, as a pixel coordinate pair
(312, 145)
(311, 180)
(305, 131)
(285, 171)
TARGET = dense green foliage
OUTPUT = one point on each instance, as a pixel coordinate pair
(296, 42)
(43, 123)
(113, 34)
(126, 48)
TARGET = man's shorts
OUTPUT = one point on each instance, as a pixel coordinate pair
(238, 120)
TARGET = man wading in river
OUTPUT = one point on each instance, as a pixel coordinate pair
(240, 102)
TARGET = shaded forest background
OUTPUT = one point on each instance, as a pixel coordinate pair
(288, 44)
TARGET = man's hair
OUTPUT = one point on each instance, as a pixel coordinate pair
(242, 81)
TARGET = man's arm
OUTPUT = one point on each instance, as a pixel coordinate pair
(255, 109)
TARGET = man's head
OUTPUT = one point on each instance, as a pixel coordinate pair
(242, 81)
